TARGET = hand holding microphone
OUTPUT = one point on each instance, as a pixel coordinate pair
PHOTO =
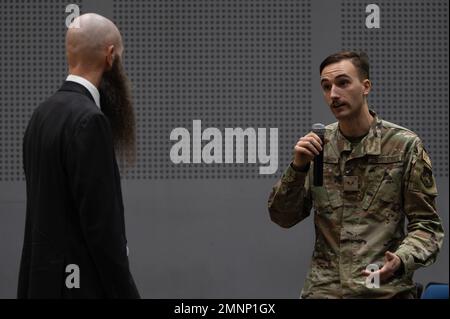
(308, 148)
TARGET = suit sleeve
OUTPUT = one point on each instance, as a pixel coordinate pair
(425, 232)
(95, 184)
(290, 200)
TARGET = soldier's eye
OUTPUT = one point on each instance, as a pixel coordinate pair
(343, 83)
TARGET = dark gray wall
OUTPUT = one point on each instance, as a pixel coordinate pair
(203, 231)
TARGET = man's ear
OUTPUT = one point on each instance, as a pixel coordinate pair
(367, 87)
(110, 57)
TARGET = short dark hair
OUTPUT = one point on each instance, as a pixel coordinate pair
(359, 60)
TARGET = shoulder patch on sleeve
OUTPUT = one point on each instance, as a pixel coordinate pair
(426, 176)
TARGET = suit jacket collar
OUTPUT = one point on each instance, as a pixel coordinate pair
(70, 86)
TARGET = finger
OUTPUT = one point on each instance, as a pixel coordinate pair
(384, 269)
(315, 142)
(385, 273)
(311, 144)
(392, 266)
(389, 255)
(314, 137)
(311, 147)
(376, 274)
(305, 144)
(368, 272)
(304, 151)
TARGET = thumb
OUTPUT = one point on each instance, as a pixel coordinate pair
(389, 256)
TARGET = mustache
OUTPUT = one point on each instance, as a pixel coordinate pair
(337, 103)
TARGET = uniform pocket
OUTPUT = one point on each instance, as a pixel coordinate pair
(327, 197)
(384, 186)
(321, 201)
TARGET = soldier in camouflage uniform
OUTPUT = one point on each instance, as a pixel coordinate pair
(375, 174)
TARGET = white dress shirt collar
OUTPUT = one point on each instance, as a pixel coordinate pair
(88, 85)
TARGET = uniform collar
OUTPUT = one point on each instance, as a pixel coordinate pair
(370, 144)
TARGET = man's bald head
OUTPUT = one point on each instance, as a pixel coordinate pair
(92, 43)
(94, 52)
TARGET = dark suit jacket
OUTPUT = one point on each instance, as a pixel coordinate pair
(74, 212)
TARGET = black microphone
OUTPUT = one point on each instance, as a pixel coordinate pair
(319, 129)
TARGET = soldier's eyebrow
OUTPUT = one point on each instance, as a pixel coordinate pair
(339, 76)
(342, 76)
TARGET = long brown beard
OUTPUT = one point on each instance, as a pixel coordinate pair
(116, 104)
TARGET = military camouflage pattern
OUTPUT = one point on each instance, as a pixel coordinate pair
(355, 226)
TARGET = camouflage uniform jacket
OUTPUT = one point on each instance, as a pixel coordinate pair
(360, 211)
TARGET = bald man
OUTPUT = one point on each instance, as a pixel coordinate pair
(75, 244)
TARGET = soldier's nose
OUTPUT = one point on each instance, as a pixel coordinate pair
(334, 93)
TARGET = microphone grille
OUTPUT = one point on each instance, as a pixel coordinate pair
(318, 128)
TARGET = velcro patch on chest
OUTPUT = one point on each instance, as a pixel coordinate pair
(351, 183)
